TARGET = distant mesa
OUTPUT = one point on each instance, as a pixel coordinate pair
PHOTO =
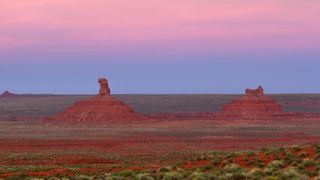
(7, 94)
(252, 104)
(98, 109)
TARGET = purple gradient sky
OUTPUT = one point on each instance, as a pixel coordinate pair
(167, 46)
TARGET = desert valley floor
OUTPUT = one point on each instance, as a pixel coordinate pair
(28, 141)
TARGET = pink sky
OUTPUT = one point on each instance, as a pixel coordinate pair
(179, 26)
(160, 46)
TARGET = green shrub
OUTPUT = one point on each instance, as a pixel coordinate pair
(126, 173)
(234, 154)
(235, 176)
(207, 167)
(211, 156)
(289, 158)
(301, 168)
(317, 148)
(144, 176)
(264, 150)
(53, 178)
(226, 162)
(250, 153)
(258, 163)
(164, 169)
(97, 177)
(296, 148)
(271, 178)
(308, 163)
(303, 155)
(199, 176)
(112, 177)
(291, 173)
(186, 174)
(82, 177)
(213, 173)
(255, 174)
(317, 157)
(173, 175)
(204, 157)
(17, 177)
(276, 164)
(296, 162)
(217, 160)
(233, 168)
(280, 150)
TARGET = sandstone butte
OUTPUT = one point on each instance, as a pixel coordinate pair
(6, 94)
(253, 104)
(100, 108)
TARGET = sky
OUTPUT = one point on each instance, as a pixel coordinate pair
(159, 46)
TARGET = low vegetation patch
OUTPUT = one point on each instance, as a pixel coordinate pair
(280, 163)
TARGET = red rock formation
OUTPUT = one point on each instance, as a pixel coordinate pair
(104, 87)
(100, 108)
(252, 104)
(6, 94)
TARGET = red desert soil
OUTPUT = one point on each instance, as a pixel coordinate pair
(189, 165)
(133, 147)
(243, 159)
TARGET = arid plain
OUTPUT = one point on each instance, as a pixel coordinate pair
(175, 128)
